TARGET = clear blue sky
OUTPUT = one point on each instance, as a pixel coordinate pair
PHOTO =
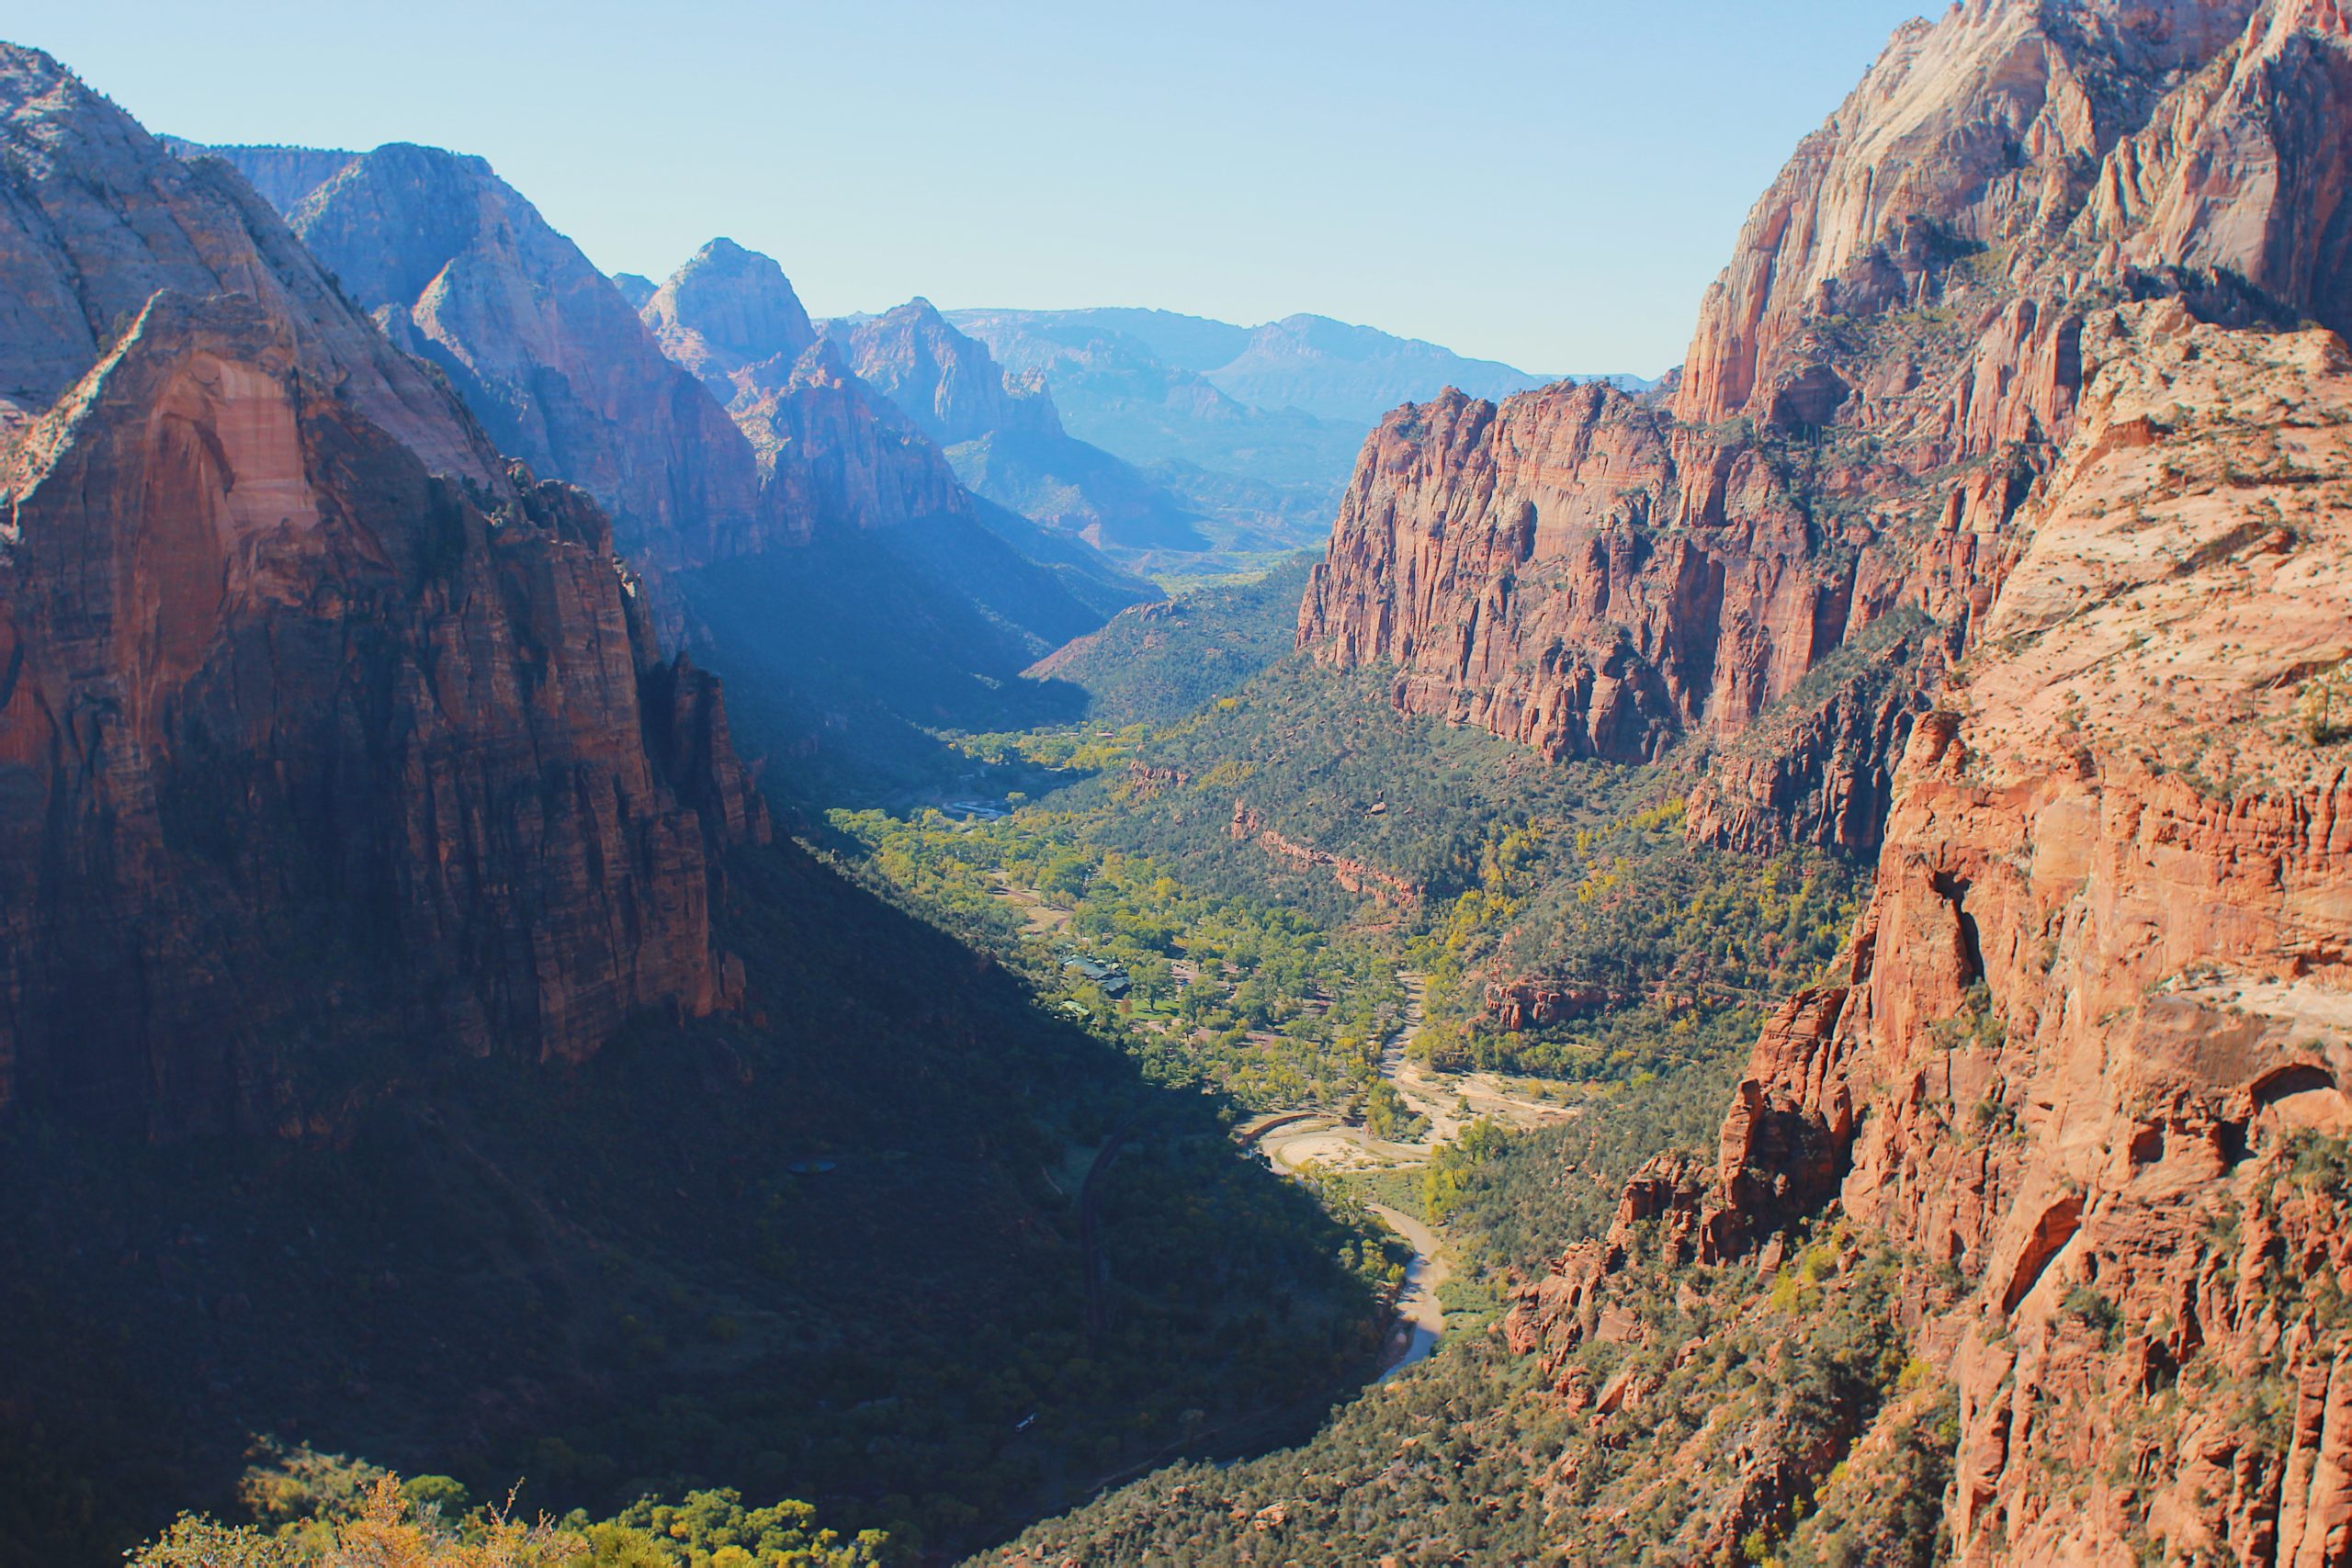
(1548, 184)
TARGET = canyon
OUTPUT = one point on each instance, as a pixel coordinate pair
(365, 556)
(1991, 535)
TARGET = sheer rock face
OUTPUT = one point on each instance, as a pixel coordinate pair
(2104, 977)
(1879, 379)
(96, 218)
(832, 455)
(461, 270)
(1570, 571)
(1977, 131)
(314, 744)
(2103, 988)
(2095, 1029)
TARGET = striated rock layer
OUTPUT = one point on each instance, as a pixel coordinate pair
(1888, 365)
(2086, 1065)
(321, 732)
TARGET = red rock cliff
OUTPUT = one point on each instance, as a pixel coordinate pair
(2088, 1064)
(307, 752)
(1887, 366)
(2104, 982)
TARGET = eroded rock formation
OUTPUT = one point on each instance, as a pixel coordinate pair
(324, 735)
(1889, 364)
(1004, 437)
(460, 270)
(2085, 1066)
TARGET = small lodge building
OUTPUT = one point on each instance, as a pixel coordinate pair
(1109, 978)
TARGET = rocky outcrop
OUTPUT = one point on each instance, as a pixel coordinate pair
(1973, 140)
(2103, 984)
(460, 270)
(1538, 1004)
(94, 219)
(2086, 1064)
(1248, 827)
(835, 458)
(2100, 1006)
(314, 743)
(1891, 360)
(1571, 571)
(943, 380)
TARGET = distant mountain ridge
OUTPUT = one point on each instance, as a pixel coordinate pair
(1328, 369)
(1004, 437)
(1258, 427)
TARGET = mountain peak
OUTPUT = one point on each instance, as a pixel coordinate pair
(726, 308)
(947, 383)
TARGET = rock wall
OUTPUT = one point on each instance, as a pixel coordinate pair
(2086, 1064)
(2102, 999)
(318, 749)
(2104, 981)
(1877, 382)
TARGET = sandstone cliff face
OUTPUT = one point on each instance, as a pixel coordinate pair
(727, 308)
(2102, 999)
(1887, 366)
(2112, 909)
(460, 269)
(836, 459)
(943, 380)
(2086, 1065)
(304, 754)
(94, 218)
(1979, 131)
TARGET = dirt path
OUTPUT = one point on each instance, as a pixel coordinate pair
(1037, 917)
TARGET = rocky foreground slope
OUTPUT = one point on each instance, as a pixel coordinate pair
(318, 719)
(2082, 1067)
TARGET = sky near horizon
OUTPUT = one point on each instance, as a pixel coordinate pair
(1551, 185)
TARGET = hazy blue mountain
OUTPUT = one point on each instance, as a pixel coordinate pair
(1004, 437)
(1354, 374)
(1336, 372)
(1256, 427)
(1114, 388)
